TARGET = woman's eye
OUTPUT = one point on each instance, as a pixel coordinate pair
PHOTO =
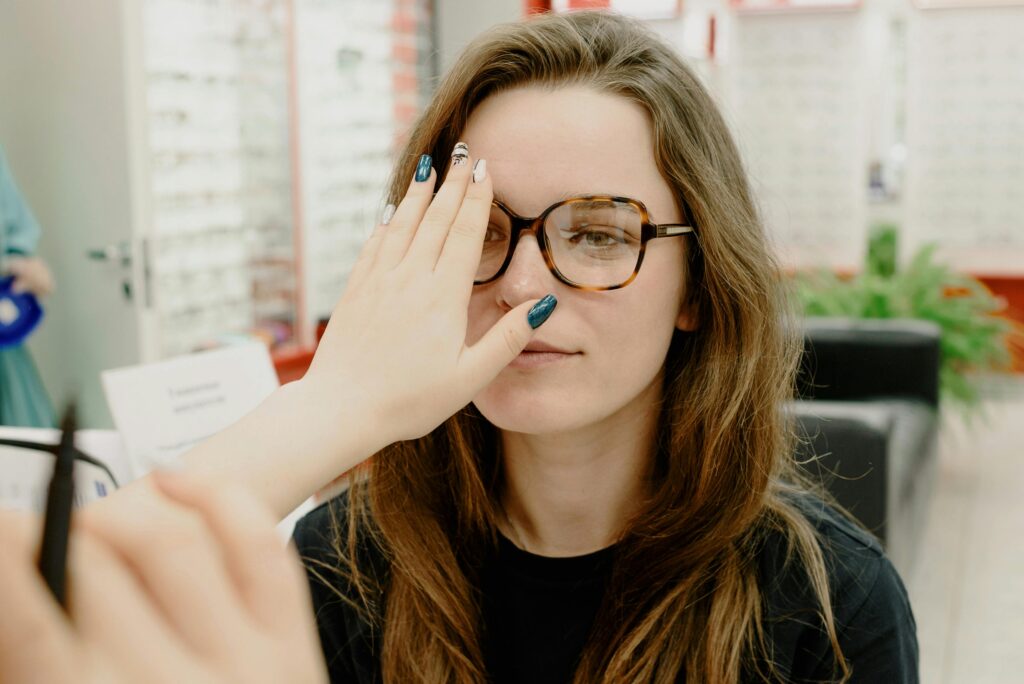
(494, 234)
(598, 237)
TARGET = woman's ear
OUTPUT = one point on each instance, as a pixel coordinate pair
(687, 319)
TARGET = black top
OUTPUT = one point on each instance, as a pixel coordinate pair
(537, 610)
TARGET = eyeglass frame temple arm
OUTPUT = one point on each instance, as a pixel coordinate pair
(670, 229)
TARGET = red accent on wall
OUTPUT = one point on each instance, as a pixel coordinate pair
(711, 37)
(404, 21)
(299, 334)
(405, 54)
(1012, 290)
(291, 366)
(589, 4)
(536, 7)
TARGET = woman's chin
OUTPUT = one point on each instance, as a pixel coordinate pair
(528, 411)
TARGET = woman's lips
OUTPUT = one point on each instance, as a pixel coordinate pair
(531, 359)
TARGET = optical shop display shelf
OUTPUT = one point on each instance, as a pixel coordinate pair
(849, 112)
(222, 233)
(794, 89)
(208, 168)
(295, 104)
(965, 114)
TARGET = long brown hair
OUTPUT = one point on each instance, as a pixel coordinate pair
(684, 593)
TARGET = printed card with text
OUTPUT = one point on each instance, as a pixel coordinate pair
(163, 409)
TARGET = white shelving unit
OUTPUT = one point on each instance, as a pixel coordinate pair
(965, 124)
(347, 131)
(796, 92)
(221, 160)
(218, 117)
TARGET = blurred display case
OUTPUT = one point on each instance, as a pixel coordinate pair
(204, 170)
(222, 233)
(272, 126)
(264, 138)
(795, 92)
(965, 135)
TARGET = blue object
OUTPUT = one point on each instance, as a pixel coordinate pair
(423, 168)
(20, 314)
(540, 311)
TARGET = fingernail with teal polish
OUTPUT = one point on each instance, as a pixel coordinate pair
(540, 311)
(423, 168)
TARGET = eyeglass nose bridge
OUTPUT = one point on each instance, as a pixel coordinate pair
(536, 226)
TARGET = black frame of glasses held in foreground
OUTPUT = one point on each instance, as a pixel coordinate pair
(59, 501)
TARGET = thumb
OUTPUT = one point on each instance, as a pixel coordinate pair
(507, 338)
(19, 286)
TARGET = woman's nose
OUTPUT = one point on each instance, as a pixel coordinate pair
(527, 275)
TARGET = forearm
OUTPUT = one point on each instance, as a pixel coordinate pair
(283, 451)
(288, 447)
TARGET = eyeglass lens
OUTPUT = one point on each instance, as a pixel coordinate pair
(593, 243)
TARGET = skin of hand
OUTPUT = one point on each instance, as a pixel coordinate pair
(192, 584)
(31, 274)
(396, 341)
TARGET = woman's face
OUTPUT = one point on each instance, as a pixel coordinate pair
(541, 146)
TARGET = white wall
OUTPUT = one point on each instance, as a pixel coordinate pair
(459, 21)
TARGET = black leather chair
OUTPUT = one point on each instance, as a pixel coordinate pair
(868, 410)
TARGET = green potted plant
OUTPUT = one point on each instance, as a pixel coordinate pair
(974, 337)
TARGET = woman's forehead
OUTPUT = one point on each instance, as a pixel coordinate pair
(543, 145)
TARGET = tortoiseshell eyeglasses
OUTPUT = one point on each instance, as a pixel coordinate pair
(595, 242)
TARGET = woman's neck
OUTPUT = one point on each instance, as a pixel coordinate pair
(570, 494)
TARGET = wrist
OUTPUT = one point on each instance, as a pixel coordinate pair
(290, 446)
(341, 422)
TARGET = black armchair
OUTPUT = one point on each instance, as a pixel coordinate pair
(868, 410)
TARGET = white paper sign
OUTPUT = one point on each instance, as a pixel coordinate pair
(163, 409)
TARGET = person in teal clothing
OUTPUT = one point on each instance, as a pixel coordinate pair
(23, 398)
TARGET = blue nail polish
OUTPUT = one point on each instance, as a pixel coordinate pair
(541, 310)
(423, 168)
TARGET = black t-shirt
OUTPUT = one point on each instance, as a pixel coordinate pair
(537, 611)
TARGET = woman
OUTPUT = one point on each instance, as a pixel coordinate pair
(622, 510)
(608, 496)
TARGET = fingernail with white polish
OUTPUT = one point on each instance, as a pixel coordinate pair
(460, 154)
(389, 213)
(479, 170)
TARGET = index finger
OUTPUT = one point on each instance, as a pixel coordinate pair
(37, 643)
(463, 247)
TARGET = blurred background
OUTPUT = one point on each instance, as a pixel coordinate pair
(195, 173)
